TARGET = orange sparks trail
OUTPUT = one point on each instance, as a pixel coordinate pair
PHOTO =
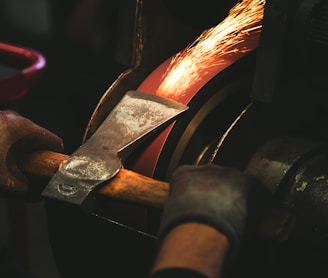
(212, 46)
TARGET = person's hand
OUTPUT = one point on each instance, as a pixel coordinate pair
(224, 198)
(20, 136)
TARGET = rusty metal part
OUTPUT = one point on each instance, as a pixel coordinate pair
(273, 162)
(295, 170)
(135, 117)
(306, 193)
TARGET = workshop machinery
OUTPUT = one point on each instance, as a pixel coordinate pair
(259, 104)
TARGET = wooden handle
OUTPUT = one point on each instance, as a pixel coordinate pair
(131, 186)
(126, 185)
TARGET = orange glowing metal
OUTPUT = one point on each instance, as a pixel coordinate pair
(212, 47)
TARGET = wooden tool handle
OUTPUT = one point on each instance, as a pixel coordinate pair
(126, 185)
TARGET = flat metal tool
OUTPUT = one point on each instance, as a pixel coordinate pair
(99, 159)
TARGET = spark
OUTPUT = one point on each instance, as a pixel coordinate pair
(212, 46)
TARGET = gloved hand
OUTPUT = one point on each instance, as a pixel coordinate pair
(20, 136)
(224, 198)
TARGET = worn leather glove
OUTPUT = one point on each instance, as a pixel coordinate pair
(224, 198)
(20, 136)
